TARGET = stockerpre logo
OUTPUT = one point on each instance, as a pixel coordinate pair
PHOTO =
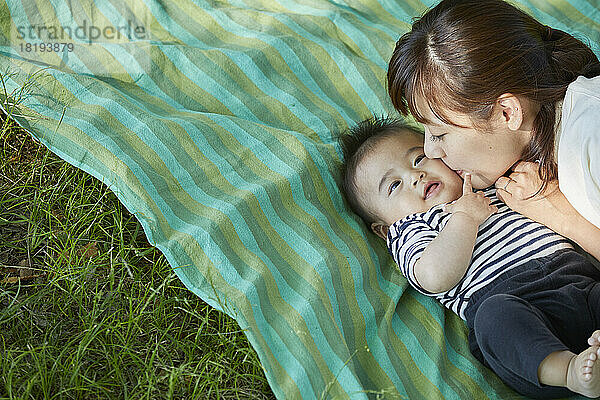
(91, 38)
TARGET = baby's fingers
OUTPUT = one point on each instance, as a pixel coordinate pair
(467, 187)
(449, 207)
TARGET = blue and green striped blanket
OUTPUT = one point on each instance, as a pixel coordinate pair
(216, 124)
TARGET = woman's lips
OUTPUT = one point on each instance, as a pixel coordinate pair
(431, 189)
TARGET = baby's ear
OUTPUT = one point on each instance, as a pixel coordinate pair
(380, 229)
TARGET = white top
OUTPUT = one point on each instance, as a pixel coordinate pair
(578, 148)
(505, 240)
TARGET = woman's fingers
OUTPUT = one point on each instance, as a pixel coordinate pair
(526, 166)
(502, 184)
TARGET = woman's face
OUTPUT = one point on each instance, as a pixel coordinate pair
(487, 156)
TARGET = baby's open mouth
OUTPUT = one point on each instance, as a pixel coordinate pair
(431, 188)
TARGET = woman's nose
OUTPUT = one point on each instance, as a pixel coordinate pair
(432, 149)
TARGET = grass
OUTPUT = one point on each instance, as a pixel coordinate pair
(88, 309)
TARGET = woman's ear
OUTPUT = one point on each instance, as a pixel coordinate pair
(510, 111)
(380, 229)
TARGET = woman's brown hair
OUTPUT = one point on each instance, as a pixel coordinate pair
(464, 54)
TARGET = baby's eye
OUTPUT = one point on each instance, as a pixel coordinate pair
(394, 186)
(434, 138)
(419, 159)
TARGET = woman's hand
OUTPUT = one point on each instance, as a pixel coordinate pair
(549, 207)
(521, 192)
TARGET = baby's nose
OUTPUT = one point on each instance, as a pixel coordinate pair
(418, 177)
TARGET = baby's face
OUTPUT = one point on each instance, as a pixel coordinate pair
(395, 179)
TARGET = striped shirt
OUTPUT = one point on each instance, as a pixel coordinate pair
(505, 240)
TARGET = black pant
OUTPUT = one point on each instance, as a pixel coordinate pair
(546, 305)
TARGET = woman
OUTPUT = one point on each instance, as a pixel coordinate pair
(511, 101)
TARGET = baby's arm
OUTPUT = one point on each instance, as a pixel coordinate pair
(445, 260)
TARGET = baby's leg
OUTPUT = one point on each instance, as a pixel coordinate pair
(514, 338)
(594, 305)
(578, 372)
(589, 367)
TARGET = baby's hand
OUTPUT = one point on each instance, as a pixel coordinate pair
(473, 204)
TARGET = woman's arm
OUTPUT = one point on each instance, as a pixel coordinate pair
(550, 207)
(582, 232)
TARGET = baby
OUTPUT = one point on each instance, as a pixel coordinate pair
(531, 302)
